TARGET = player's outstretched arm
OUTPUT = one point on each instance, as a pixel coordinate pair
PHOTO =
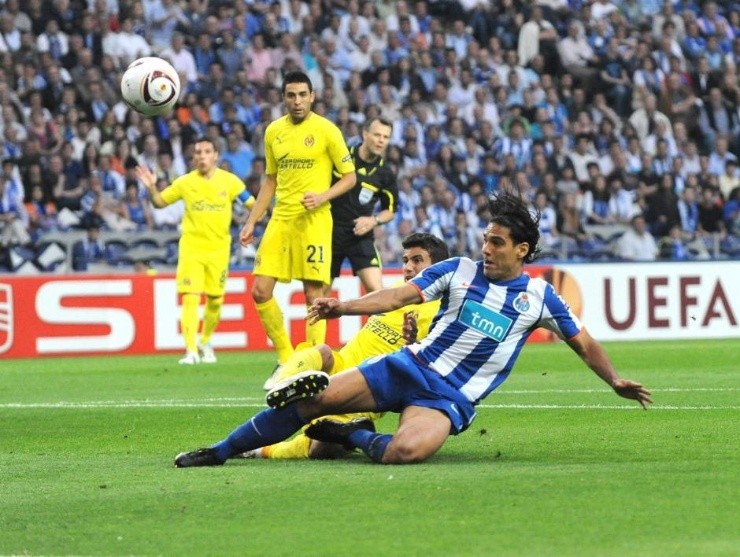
(595, 357)
(147, 177)
(379, 301)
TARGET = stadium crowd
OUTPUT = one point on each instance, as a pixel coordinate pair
(606, 115)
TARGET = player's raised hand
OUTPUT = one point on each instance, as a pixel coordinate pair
(146, 176)
(324, 308)
(632, 390)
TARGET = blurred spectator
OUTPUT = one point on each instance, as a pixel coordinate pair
(42, 213)
(13, 215)
(661, 213)
(731, 212)
(88, 250)
(729, 180)
(125, 46)
(577, 56)
(644, 119)
(710, 216)
(719, 156)
(672, 246)
(637, 244)
(595, 208)
(549, 235)
(169, 217)
(135, 210)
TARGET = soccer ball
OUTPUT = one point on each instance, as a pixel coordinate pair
(151, 86)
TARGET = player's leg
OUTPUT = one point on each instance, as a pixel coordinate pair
(346, 392)
(189, 324)
(339, 244)
(271, 316)
(315, 332)
(311, 262)
(371, 278)
(190, 278)
(292, 449)
(307, 358)
(367, 265)
(216, 272)
(272, 264)
(421, 433)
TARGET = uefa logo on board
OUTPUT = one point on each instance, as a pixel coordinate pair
(6, 317)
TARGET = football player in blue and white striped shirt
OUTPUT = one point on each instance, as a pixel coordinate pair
(488, 309)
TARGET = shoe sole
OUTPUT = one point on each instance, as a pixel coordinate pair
(185, 460)
(297, 387)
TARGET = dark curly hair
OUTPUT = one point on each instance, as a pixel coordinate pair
(509, 210)
(436, 248)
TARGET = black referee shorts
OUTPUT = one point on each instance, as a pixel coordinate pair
(360, 251)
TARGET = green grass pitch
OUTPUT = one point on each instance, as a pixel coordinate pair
(554, 465)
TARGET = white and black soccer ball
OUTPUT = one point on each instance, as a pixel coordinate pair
(150, 85)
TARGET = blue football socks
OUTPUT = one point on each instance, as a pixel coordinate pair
(371, 443)
(266, 428)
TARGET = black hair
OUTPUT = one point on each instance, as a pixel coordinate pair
(204, 139)
(509, 210)
(437, 249)
(297, 77)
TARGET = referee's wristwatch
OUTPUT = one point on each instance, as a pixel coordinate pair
(377, 222)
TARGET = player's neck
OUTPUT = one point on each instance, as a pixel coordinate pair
(299, 122)
(365, 154)
(208, 174)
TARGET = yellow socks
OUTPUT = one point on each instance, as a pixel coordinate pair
(211, 317)
(189, 321)
(316, 333)
(272, 320)
(308, 358)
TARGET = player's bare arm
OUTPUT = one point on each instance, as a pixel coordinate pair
(264, 198)
(147, 177)
(313, 200)
(595, 357)
(387, 299)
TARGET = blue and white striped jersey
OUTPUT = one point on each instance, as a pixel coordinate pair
(482, 325)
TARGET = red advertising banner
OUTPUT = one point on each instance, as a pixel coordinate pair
(139, 314)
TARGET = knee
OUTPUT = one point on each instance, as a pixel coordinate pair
(260, 293)
(215, 301)
(312, 290)
(327, 357)
(402, 452)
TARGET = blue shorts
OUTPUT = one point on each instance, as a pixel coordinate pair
(399, 380)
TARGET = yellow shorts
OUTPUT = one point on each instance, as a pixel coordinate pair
(299, 248)
(202, 272)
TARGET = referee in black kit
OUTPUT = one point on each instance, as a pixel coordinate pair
(352, 212)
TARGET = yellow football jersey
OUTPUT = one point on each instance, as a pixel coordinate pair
(383, 333)
(302, 157)
(208, 208)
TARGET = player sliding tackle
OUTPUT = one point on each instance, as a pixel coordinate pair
(382, 334)
(489, 308)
